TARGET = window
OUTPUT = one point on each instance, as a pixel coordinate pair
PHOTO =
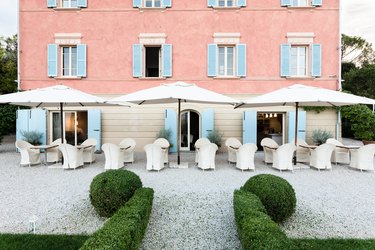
(226, 3)
(298, 61)
(152, 61)
(226, 60)
(152, 3)
(69, 4)
(69, 61)
(300, 3)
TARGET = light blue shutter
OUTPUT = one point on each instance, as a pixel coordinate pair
(286, 2)
(212, 3)
(316, 60)
(317, 2)
(167, 59)
(137, 60)
(241, 60)
(167, 3)
(38, 122)
(22, 122)
(292, 125)
(211, 60)
(82, 3)
(94, 127)
(170, 122)
(241, 3)
(51, 3)
(249, 127)
(81, 60)
(207, 122)
(137, 3)
(52, 60)
(285, 60)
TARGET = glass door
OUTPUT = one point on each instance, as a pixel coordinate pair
(189, 130)
(70, 128)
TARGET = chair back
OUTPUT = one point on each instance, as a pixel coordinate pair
(201, 141)
(367, 151)
(234, 142)
(162, 142)
(128, 142)
(155, 157)
(113, 156)
(269, 143)
(90, 142)
(22, 145)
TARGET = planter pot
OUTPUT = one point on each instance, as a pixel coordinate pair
(365, 142)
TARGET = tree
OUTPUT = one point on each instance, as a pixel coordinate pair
(356, 50)
(8, 64)
(361, 81)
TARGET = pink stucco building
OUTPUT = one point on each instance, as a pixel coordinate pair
(235, 47)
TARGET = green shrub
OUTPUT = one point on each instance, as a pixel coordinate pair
(112, 189)
(33, 137)
(276, 194)
(320, 136)
(126, 228)
(7, 119)
(255, 228)
(362, 121)
(215, 137)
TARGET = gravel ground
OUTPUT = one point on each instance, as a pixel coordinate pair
(192, 209)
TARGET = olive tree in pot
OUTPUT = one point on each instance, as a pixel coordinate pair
(320, 136)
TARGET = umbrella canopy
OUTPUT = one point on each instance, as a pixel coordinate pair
(175, 93)
(58, 95)
(307, 96)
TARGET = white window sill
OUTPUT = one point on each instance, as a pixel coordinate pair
(301, 7)
(227, 77)
(226, 8)
(300, 77)
(151, 8)
(68, 78)
(67, 9)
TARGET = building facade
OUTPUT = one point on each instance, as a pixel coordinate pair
(235, 47)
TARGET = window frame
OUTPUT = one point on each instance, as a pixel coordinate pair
(144, 57)
(298, 61)
(70, 4)
(234, 4)
(153, 4)
(70, 61)
(226, 46)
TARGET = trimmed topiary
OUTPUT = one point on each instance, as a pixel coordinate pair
(276, 194)
(112, 189)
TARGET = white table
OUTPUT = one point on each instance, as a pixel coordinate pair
(45, 147)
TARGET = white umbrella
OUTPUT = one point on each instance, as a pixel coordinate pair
(308, 96)
(58, 95)
(172, 93)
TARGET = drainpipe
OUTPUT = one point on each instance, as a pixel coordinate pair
(338, 124)
(18, 48)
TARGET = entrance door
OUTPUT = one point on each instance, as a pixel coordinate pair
(75, 128)
(189, 129)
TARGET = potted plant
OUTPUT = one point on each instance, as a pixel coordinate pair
(362, 122)
(215, 137)
(33, 137)
(320, 136)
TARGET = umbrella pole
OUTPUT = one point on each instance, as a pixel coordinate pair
(178, 131)
(296, 134)
(62, 128)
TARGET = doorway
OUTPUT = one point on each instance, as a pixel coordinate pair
(75, 126)
(189, 130)
(270, 125)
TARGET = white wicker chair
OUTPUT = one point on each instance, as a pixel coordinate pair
(198, 144)
(113, 156)
(303, 154)
(245, 156)
(268, 143)
(73, 157)
(164, 144)
(363, 158)
(207, 156)
(28, 156)
(283, 157)
(233, 144)
(89, 153)
(155, 157)
(128, 152)
(339, 155)
(54, 154)
(321, 156)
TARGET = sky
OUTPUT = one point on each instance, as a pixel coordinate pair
(358, 18)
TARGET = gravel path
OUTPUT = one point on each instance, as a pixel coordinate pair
(192, 209)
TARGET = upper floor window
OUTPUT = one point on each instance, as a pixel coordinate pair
(69, 61)
(226, 60)
(152, 3)
(69, 4)
(301, 3)
(226, 3)
(66, 4)
(298, 61)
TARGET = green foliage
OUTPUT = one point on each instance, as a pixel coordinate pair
(166, 134)
(320, 136)
(317, 109)
(255, 228)
(356, 50)
(361, 81)
(110, 190)
(215, 137)
(41, 242)
(8, 64)
(126, 228)
(333, 244)
(7, 119)
(33, 137)
(276, 194)
(362, 121)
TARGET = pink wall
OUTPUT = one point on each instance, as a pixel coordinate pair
(111, 27)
